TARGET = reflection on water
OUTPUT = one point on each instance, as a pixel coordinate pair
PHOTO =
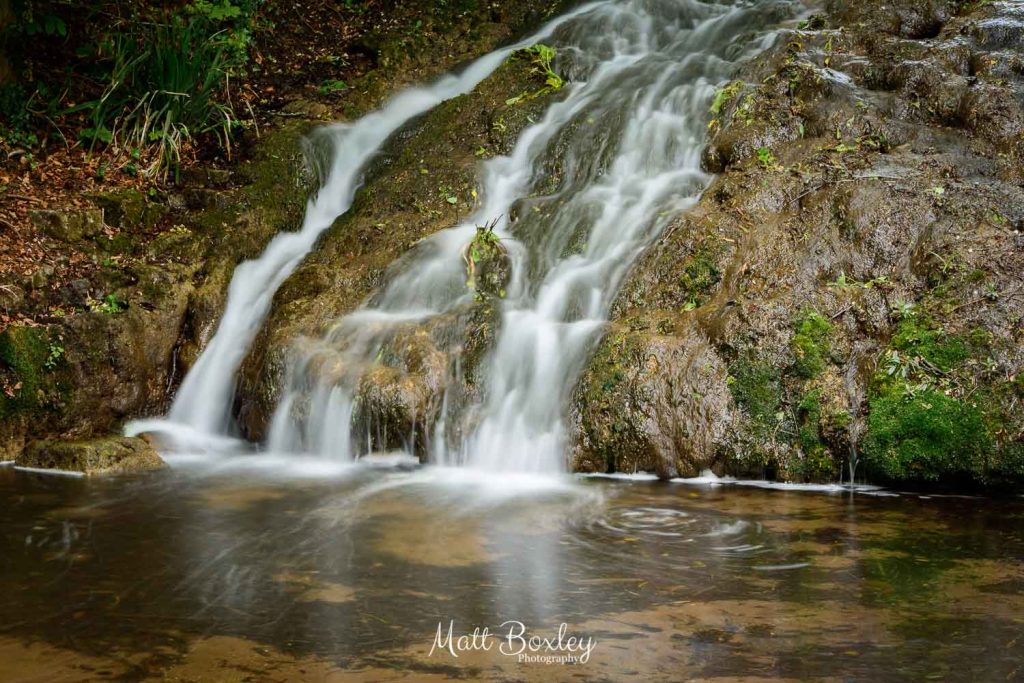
(238, 574)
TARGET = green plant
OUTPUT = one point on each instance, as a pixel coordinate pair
(56, 353)
(542, 57)
(111, 304)
(723, 95)
(332, 86)
(767, 159)
(543, 60)
(482, 256)
(168, 82)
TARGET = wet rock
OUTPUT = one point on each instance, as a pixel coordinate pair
(398, 206)
(999, 32)
(97, 456)
(68, 225)
(652, 403)
(488, 266)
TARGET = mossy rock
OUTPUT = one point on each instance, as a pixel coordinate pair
(97, 456)
(811, 344)
(488, 266)
(128, 209)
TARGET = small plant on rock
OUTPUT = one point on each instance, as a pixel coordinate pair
(487, 263)
(543, 57)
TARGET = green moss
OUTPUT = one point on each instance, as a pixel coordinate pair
(608, 400)
(24, 353)
(699, 275)
(924, 435)
(811, 344)
(916, 337)
(757, 387)
(816, 462)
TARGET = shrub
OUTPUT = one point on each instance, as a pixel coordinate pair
(168, 82)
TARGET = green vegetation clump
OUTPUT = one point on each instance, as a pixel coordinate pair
(817, 463)
(934, 346)
(723, 95)
(923, 423)
(924, 435)
(487, 265)
(542, 57)
(699, 275)
(154, 77)
(811, 344)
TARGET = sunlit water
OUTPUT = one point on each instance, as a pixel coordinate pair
(228, 571)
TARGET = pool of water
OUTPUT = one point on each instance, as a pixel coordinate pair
(261, 569)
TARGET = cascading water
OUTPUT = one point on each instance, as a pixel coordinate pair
(626, 138)
(200, 417)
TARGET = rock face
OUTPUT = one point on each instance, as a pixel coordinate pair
(99, 456)
(124, 336)
(848, 292)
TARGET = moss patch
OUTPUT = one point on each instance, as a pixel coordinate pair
(811, 344)
(26, 361)
(924, 435)
(757, 387)
(935, 346)
(699, 275)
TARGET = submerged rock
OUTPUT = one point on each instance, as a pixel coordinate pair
(98, 456)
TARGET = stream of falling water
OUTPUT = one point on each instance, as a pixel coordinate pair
(200, 417)
(627, 138)
(625, 142)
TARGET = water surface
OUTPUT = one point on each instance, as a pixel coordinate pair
(344, 573)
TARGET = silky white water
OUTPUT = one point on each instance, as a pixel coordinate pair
(200, 417)
(622, 146)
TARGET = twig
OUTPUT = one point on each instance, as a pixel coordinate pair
(839, 313)
(22, 197)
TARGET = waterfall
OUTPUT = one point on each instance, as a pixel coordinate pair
(627, 137)
(200, 417)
